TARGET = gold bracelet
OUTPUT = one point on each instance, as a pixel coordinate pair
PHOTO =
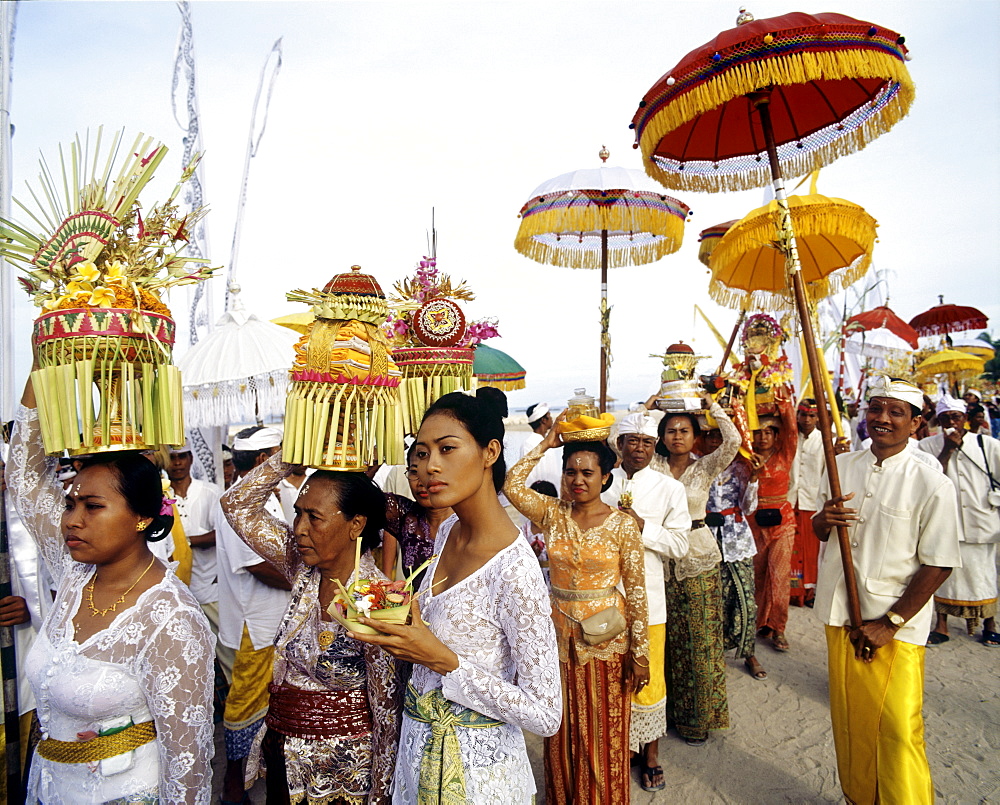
(636, 661)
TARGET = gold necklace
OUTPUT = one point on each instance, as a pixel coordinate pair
(102, 612)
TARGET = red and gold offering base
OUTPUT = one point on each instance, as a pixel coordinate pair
(429, 373)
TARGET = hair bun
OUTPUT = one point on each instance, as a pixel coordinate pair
(158, 529)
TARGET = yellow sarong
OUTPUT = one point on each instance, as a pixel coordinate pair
(878, 728)
(248, 696)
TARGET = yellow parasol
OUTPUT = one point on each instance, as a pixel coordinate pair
(950, 362)
(835, 241)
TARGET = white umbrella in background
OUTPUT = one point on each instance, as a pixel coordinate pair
(239, 372)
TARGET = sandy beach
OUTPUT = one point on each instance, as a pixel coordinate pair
(779, 748)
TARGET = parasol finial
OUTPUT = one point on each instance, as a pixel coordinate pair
(744, 17)
(940, 298)
(604, 153)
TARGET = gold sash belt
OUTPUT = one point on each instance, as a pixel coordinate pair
(582, 595)
(100, 748)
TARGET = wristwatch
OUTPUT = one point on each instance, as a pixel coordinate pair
(895, 618)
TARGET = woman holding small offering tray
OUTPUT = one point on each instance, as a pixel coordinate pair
(333, 719)
(481, 635)
(603, 640)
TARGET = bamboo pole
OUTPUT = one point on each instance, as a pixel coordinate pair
(761, 101)
(605, 336)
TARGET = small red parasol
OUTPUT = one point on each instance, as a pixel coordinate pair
(943, 319)
(881, 318)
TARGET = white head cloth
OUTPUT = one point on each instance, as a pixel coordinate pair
(181, 448)
(949, 403)
(227, 453)
(975, 393)
(263, 439)
(538, 411)
(882, 386)
(639, 422)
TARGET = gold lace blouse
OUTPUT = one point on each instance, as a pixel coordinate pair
(595, 559)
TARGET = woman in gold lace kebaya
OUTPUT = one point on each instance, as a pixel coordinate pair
(592, 548)
(333, 718)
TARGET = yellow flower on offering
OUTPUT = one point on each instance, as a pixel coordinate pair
(51, 304)
(86, 272)
(115, 274)
(77, 287)
(102, 297)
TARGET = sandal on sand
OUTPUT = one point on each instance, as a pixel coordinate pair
(991, 639)
(649, 773)
(759, 673)
(764, 631)
(778, 642)
(937, 638)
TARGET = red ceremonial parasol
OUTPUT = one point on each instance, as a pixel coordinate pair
(790, 93)
(943, 319)
(881, 318)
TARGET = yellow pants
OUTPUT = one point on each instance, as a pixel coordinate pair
(878, 728)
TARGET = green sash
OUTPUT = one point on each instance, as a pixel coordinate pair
(442, 775)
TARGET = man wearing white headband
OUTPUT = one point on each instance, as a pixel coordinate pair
(659, 505)
(253, 597)
(549, 468)
(972, 462)
(904, 540)
(194, 500)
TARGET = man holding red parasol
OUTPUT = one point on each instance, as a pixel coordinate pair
(904, 540)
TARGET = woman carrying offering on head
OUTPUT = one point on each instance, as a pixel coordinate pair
(122, 668)
(333, 720)
(696, 677)
(481, 635)
(592, 548)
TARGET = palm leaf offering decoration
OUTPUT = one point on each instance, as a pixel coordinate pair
(96, 267)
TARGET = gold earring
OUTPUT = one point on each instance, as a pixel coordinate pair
(140, 527)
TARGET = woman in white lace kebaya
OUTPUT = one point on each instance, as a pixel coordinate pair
(122, 669)
(481, 637)
(333, 715)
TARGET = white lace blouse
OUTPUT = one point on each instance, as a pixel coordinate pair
(499, 622)
(154, 662)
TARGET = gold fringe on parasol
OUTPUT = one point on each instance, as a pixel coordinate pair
(645, 235)
(800, 68)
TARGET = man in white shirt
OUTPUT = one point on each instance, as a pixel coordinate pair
(253, 597)
(904, 540)
(194, 501)
(972, 462)
(549, 468)
(658, 503)
(807, 467)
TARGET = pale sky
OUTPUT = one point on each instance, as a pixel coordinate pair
(382, 111)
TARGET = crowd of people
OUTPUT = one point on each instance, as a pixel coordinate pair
(587, 595)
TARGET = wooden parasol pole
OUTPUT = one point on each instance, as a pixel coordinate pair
(732, 340)
(605, 335)
(761, 101)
